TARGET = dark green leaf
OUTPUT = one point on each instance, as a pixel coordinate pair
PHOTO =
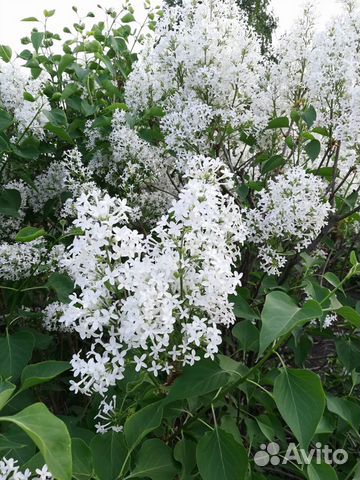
(220, 456)
(280, 315)
(309, 116)
(37, 39)
(62, 284)
(109, 454)
(10, 202)
(349, 314)
(42, 372)
(82, 460)
(345, 409)
(301, 401)
(321, 471)
(15, 352)
(6, 391)
(49, 434)
(247, 335)
(242, 308)
(138, 425)
(280, 122)
(200, 379)
(154, 461)
(313, 149)
(5, 53)
(6, 120)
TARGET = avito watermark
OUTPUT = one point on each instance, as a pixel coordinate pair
(270, 454)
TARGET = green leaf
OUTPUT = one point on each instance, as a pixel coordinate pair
(247, 335)
(321, 131)
(15, 352)
(280, 315)
(37, 39)
(30, 19)
(353, 259)
(313, 149)
(10, 202)
(60, 132)
(6, 391)
(7, 444)
(141, 423)
(49, 434)
(349, 314)
(200, 379)
(48, 13)
(309, 116)
(241, 308)
(28, 234)
(5, 53)
(185, 453)
(220, 456)
(321, 471)
(81, 459)
(127, 18)
(345, 409)
(348, 351)
(154, 461)
(300, 399)
(65, 61)
(62, 284)
(109, 454)
(280, 122)
(273, 163)
(42, 372)
(4, 144)
(332, 279)
(6, 120)
(57, 117)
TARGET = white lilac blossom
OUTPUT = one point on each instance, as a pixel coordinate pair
(68, 175)
(18, 259)
(9, 470)
(202, 68)
(290, 212)
(107, 417)
(282, 85)
(137, 169)
(28, 114)
(159, 300)
(329, 320)
(51, 316)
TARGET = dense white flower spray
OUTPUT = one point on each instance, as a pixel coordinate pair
(157, 300)
(28, 113)
(290, 213)
(201, 68)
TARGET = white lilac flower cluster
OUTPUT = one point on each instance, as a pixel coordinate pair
(9, 470)
(136, 169)
(201, 68)
(28, 113)
(290, 213)
(156, 301)
(18, 259)
(65, 176)
(106, 417)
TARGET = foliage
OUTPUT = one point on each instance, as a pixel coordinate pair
(179, 247)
